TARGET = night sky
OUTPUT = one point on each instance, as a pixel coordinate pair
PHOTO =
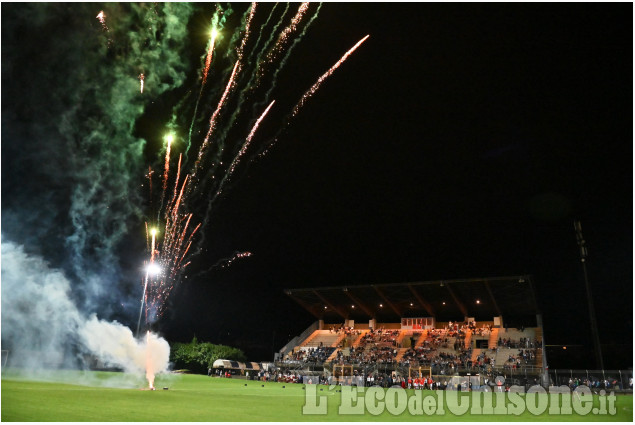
(459, 141)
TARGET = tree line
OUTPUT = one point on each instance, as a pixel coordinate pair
(197, 357)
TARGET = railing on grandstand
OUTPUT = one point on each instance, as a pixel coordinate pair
(610, 380)
(595, 379)
(528, 370)
(506, 369)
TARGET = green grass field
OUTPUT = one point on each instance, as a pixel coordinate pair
(200, 398)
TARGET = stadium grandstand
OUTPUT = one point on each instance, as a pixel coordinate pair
(477, 329)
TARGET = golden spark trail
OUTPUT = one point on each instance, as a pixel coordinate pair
(172, 249)
(242, 151)
(280, 42)
(327, 74)
(187, 223)
(262, 28)
(154, 234)
(284, 35)
(101, 16)
(166, 172)
(167, 163)
(212, 121)
(221, 103)
(246, 144)
(184, 253)
(189, 243)
(178, 175)
(141, 78)
(147, 237)
(230, 85)
(257, 124)
(208, 60)
(240, 50)
(189, 239)
(178, 200)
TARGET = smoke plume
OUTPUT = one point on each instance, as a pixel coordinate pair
(44, 329)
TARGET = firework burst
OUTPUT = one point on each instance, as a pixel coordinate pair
(221, 149)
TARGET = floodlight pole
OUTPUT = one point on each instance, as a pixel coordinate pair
(594, 324)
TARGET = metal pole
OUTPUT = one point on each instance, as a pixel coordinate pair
(594, 325)
(143, 297)
(543, 348)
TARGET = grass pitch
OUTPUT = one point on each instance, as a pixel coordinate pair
(200, 398)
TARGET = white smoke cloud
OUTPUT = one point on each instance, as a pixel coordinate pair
(43, 329)
(115, 345)
(38, 316)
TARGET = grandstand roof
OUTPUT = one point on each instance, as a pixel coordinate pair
(481, 298)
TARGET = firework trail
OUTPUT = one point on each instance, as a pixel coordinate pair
(255, 49)
(169, 140)
(284, 36)
(284, 60)
(230, 86)
(147, 239)
(153, 249)
(237, 69)
(235, 162)
(254, 81)
(272, 35)
(141, 78)
(241, 49)
(210, 52)
(227, 262)
(218, 22)
(166, 171)
(208, 63)
(324, 76)
(314, 88)
(242, 151)
(101, 16)
(212, 121)
(178, 175)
